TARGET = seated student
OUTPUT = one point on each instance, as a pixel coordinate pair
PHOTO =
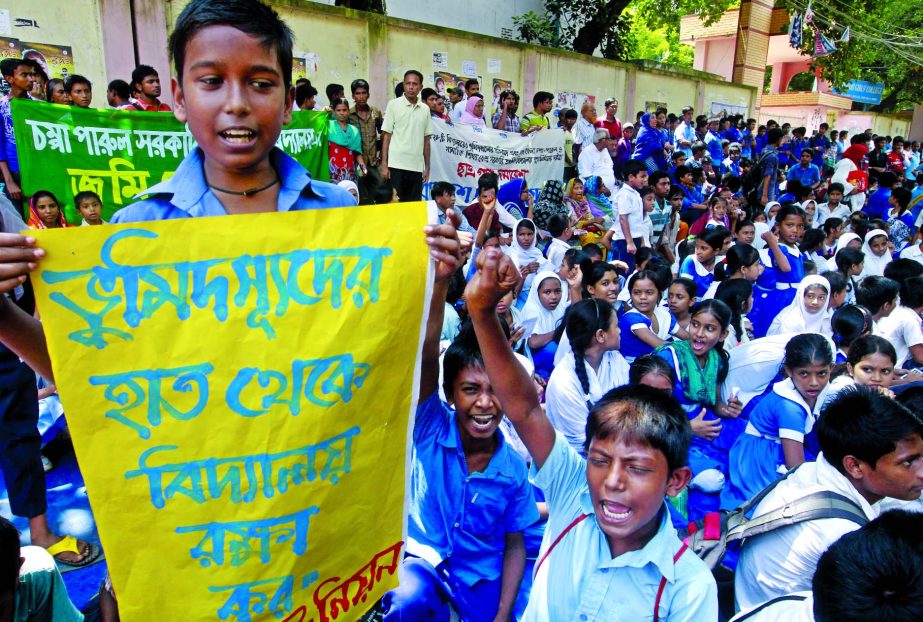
(849, 262)
(900, 220)
(878, 294)
(593, 367)
(700, 267)
(443, 194)
(838, 291)
(873, 574)
(545, 307)
(615, 564)
(833, 208)
(90, 208)
(646, 325)
(744, 232)
(681, 298)
(31, 587)
(561, 232)
(594, 252)
(774, 439)
(849, 322)
(871, 449)
(475, 565)
(526, 255)
(914, 251)
(488, 185)
(700, 366)
(833, 228)
(737, 294)
(807, 312)
(871, 362)
(902, 326)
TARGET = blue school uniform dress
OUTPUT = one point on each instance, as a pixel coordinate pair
(630, 346)
(187, 195)
(703, 277)
(767, 303)
(456, 530)
(756, 459)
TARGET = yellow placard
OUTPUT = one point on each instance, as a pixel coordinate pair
(238, 390)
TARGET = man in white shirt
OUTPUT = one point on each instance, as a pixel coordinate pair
(624, 237)
(684, 134)
(595, 161)
(871, 449)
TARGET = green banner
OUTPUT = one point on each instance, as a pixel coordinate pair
(118, 153)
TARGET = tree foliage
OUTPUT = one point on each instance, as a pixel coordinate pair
(617, 28)
(867, 55)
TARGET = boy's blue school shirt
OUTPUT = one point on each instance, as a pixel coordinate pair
(807, 176)
(824, 143)
(877, 206)
(187, 194)
(459, 516)
(580, 580)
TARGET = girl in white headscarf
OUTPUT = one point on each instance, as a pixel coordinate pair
(525, 254)
(807, 313)
(541, 315)
(877, 253)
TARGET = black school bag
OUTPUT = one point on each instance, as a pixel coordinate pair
(710, 537)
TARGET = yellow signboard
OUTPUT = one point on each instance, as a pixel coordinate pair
(238, 391)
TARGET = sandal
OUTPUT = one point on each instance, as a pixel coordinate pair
(69, 545)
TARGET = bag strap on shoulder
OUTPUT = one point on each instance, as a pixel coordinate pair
(561, 535)
(663, 582)
(819, 505)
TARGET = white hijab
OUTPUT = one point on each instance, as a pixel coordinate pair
(524, 256)
(547, 320)
(795, 318)
(771, 222)
(874, 265)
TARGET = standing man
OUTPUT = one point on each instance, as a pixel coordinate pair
(536, 120)
(80, 89)
(585, 129)
(684, 135)
(145, 81)
(405, 140)
(506, 118)
(118, 93)
(768, 189)
(20, 75)
(368, 119)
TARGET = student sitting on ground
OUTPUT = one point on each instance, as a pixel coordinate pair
(462, 470)
(871, 449)
(616, 553)
(874, 574)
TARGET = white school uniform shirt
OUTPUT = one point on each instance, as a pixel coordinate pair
(565, 401)
(913, 252)
(581, 581)
(783, 561)
(902, 327)
(842, 210)
(556, 251)
(628, 203)
(797, 607)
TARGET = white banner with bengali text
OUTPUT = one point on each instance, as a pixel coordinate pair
(460, 154)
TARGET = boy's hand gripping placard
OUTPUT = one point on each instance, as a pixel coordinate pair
(238, 391)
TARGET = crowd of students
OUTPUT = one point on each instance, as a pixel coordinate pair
(702, 322)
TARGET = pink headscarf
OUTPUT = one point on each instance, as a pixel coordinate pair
(467, 117)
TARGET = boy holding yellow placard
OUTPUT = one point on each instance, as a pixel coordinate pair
(233, 61)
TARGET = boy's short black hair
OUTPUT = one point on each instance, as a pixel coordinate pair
(8, 66)
(902, 269)
(75, 79)
(557, 224)
(642, 414)
(384, 192)
(874, 573)
(681, 171)
(333, 89)
(80, 197)
(251, 17)
(440, 188)
(141, 72)
(863, 423)
(774, 135)
(471, 82)
(808, 151)
(633, 168)
(413, 72)
(912, 292)
(836, 187)
(873, 292)
(121, 88)
(488, 181)
(303, 93)
(593, 250)
(463, 353)
(676, 191)
(902, 196)
(427, 93)
(570, 113)
(541, 97)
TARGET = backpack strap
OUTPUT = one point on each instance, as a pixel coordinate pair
(663, 582)
(561, 535)
(818, 505)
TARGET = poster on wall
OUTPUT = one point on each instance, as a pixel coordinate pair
(568, 99)
(56, 60)
(443, 81)
(299, 68)
(722, 110)
(469, 68)
(499, 87)
(441, 60)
